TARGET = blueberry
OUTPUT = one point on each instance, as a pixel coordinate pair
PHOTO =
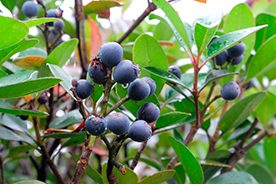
(151, 83)
(59, 25)
(53, 36)
(84, 88)
(236, 51)
(140, 131)
(118, 123)
(30, 9)
(43, 98)
(95, 124)
(248, 85)
(237, 60)
(111, 54)
(221, 58)
(51, 13)
(24, 117)
(175, 70)
(98, 73)
(126, 72)
(230, 91)
(138, 90)
(148, 112)
(214, 37)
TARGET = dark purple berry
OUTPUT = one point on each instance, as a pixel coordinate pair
(140, 131)
(95, 124)
(138, 90)
(148, 112)
(30, 9)
(151, 83)
(43, 98)
(24, 117)
(248, 85)
(236, 51)
(59, 25)
(126, 72)
(51, 13)
(237, 60)
(98, 73)
(111, 54)
(84, 88)
(221, 58)
(118, 123)
(230, 91)
(175, 70)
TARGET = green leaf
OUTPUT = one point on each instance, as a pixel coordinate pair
(233, 178)
(61, 135)
(7, 134)
(74, 141)
(215, 75)
(90, 171)
(14, 123)
(180, 175)
(241, 17)
(189, 162)
(181, 31)
(12, 30)
(68, 119)
(148, 52)
(150, 162)
(6, 53)
(99, 6)
(66, 78)
(24, 112)
(35, 22)
(17, 78)
(205, 28)
(162, 30)
(158, 178)
(27, 87)
(59, 56)
(30, 182)
(34, 51)
(16, 151)
(239, 112)
(228, 40)
(269, 150)
(260, 173)
(170, 118)
(8, 4)
(264, 60)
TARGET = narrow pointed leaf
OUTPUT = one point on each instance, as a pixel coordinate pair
(62, 135)
(158, 178)
(68, 119)
(7, 134)
(23, 112)
(30, 182)
(36, 22)
(29, 62)
(17, 78)
(170, 118)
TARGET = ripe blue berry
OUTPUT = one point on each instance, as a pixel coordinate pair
(51, 13)
(24, 117)
(95, 124)
(98, 73)
(236, 51)
(111, 54)
(30, 9)
(230, 91)
(175, 70)
(248, 85)
(148, 112)
(140, 131)
(221, 58)
(151, 83)
(138, 90)
(59, 25)
(118, 123)
(84, 88)
(43, 98)
(126, 72)
(237, 60)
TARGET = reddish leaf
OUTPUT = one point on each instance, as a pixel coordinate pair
(201, 1)
(29, 62)
(104, 14)
(95, 38)
(99, 6)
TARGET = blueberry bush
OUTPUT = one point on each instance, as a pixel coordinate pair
(137, 103)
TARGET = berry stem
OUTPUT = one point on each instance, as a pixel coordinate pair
(138, 155)
(118, 104)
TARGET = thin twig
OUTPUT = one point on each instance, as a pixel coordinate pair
(138, 155)
(119, 167)
(56, 40)
(118, 104)
(249, 132)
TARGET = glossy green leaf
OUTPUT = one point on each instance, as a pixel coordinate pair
(90, 171)
(148, 52)
(6, 53)
(181, 31)
(29, 62)
(7, 134)
(239, 132)
(99, 6)
(2, 73)
(61, 135)
(269, 151)
(158, 178)
(13, 122)
(241, 17)
(260, 173)
(239, 112)
(68, 119)
(66, 78)
(27, 87)
(16, 151)
(36, 22)
(8, 4)
(180, 175)
(164, 75)
(12, 30)
(228, 40)
(17, 78)
(30, 182)
(189, 162)
(217, 74)
(171, 118)
(34, 51)
(150, 162)
(75, 141)
(233, 178)
(24, 112)
(162, 30)
(58, 56)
